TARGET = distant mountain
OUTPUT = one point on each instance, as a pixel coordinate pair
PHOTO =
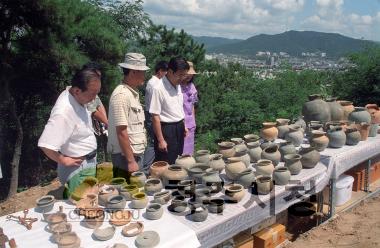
(211, 42)
(291, 42)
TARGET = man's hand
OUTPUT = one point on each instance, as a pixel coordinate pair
(133, 166)
(186, 132)
(163, 146)
(68, 161)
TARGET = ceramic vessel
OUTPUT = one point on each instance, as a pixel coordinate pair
(269, 131)
(178, 204)
(105, 192)
(347, 107)
(264, 167)
(216, 162)
(282, 127)
(242, 154)
(374, 111)
(272, 153)
(295, 135)
(202, 156)
(212, 180)
(45, 203)
(162, 197)
(287, 147)
(133, 229)
(60, 229)
(264, 185)
(316, 109)
(364, 130)
(68, 240)
(104, 234)
(310, 157)
(147, 239)
(254, 151)
(337, 138)
(216, 205)
(95, 221)
(128, 190)
(139, 200)
(234, 192)
(233, 167)
(198, 212)
(138, 178)
(293, 163)
(336, 110)
(115, 203)
(118, 182)
(153, 185)
(202, 195)
(319, 140)
(251, 138)
(359, 115)
(157, 168)
(353, 136)
(300, 122)
(56, 218)
(197, 171)
(239, 143)
(173, 175)
(281, 176)
(373, 130)
(266, 144)
(246, 178)
(314, 127)
(185, 161)
(186, 188)
(154, 211)
(226, 149)
(120, 218)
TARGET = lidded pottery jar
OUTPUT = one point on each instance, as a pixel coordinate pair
(374, 111)
(337, 138)
(316, 109)
(251, 138)
(353, 136)
(295, 135)
(272, 153)
(264, 167)
(173, 175)
(212, 180)
(216, 162)
(185, 161)
(282, 127)
(347, 107)
(281, 176)
(246, 178)
(202, 156)
(364, 130)
(239, 143)
(287, 147)
(233, 167)
(234, 192)
(319, 140)
(254, 151)
(157, 168)
(242, 153)
(310, 157)
(269, 132)
(336, 110)
(360, 115)
(293, 163)
(138, 178)
(226, 148)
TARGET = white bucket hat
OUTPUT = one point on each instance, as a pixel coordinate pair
(134, 61)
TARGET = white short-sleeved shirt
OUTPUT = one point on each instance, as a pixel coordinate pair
(125, 110)
(167, 101)
(149, 90)
(69, 129)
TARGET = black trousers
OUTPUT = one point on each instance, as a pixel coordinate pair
(174, 136)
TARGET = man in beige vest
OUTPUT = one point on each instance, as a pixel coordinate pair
(127, 136)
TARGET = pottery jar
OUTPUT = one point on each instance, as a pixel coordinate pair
(198, 212)
(96, 220)
(115, 203)
(153, 185)
(212, 180)
(337, 138)
(246, 178)
(226, 149)
(239, 143)
(266, 144)
(264, 185)
(216, 162)
(251, 138)
(105, 192)
(310, 157)
(185, 161)
(60, 229)
(295, 135)
(202, 195)
(281, 176)
(282, 127)
(216, 205)
(197, 171)
(186, 188)
(347, 107)
(157, 168)
(147, 239)
(233, 167)
(373, 130)
(264, 167)
(104, 234)
(128, 190)
(359, 115)
(269, 131)
(154, 211)
(272, 153)
(353, 136)
(336, 110)
(316, 109)
(118, 182)
(293, 163)
(46, 203)
(162, 197)
(287, 147)
(364, 130)
(314, 127)
(319, 140)
(374, 111)
(139, 200)
(173, 175)
(254, 151)
(300, 122)
(242, 154)
(202, 156)
(234, 192)
(138, 178)
(68, 240)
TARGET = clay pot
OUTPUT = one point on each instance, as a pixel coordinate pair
(157, 168)
(364, 130)
(185, 161)
(128, 190)
(319, 140)
(173, 175)
(212, 180)
(60, 229)
(68, 240)
(337, 138)
(178, 204)
(186, 188)
(162, 197)
(198, 212)
(314, 127)
(254, 151)
(353, 136)
(287, 147)
(104, 234)
(154, 211)
(202, 156)
(216, 162)
(239, 143)
(336, 110)
(272, 153)
(216, 205)
(359, 115)
(120, 218)
(374, 111)
(269, 131)
(115, 203)
(197, 171)
(310, 157)
(91, 201)
(46, 203)
(265, 144)
(246, 178)
(281, 176)
(264, 167)
(234, 192)
(233, 167)
(147, 239)
(347, 107)
(251, 138)
(242, 154)
(300, 122)
(105, 192)
(202, 195)
(295, 135)
(138, 178)
(293, 163)
(226, 149)
(133, 229)
(139, 200)
(153, 185)
(282, 127)
(56, 218)
(264, 185)
(373, 130)
(118, 182)
(93, 223)
(316, 109)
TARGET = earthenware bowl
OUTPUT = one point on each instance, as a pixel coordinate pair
(133, 229)
(120, 218)
(147, 239)
(45, 203)
(154, 211)
(162, 197)
(104, 233)
(68, 240)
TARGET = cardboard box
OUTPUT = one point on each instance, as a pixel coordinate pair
(243, 240)
(270, 237)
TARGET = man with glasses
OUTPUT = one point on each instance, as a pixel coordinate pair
(166, 107)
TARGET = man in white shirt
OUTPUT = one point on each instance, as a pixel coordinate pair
(166, 107)
(126, 132)
(68, 137)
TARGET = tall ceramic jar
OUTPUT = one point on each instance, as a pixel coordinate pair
(254, 151)
(251, 138)
(226, 149)
(337, 138)
(281, 176)
(272, 153)
(316, 109)
(364, 130)
(269, 131)
(310, 157)
(234, 166)
(360, 115)
(295, 135)
(173, 175)
(216, 162)
(264, 167)
(336, 110)
(293, 163)
(374, 111)
(319, 140)
(202, 156)
(353, 136)
(264, 185)
(157, 168)
(282, 127)
(212, 180)
(348, 107)
(286, 148)
(242, 153)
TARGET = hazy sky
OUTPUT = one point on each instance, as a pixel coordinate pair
(245, 18)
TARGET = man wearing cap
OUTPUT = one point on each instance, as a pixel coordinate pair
(126, 132)
(166, 107)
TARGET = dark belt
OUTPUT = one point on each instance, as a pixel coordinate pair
(90, 155)
(170, 123)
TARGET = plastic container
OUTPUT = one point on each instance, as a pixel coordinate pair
(344, 189)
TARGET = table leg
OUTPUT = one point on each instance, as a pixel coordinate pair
(332, 199)
(367, 175)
